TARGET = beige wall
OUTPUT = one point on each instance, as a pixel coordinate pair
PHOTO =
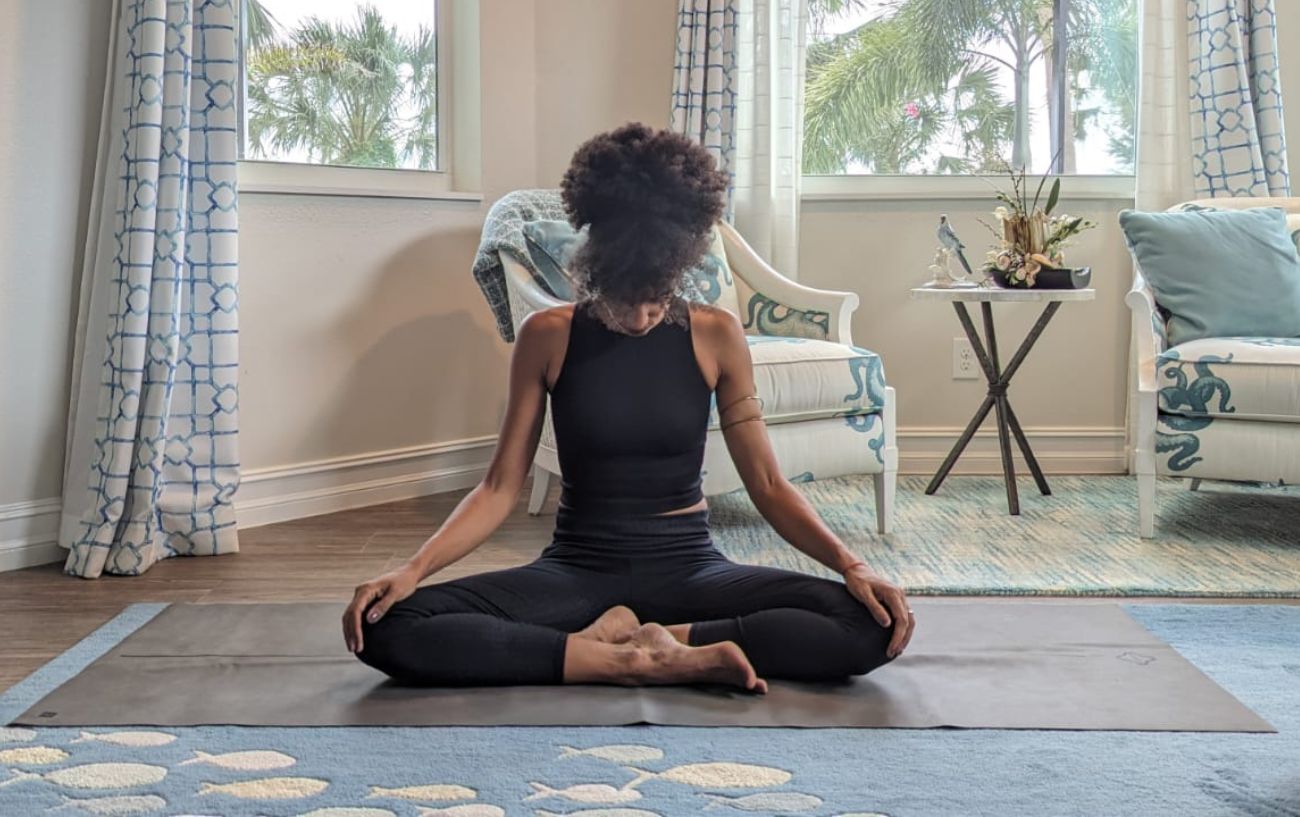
(52, 57)
(362, 330)
(600, 64)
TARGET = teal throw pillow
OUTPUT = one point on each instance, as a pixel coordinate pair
(552, 244)
(1219, 273)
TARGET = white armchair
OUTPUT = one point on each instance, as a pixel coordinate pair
(826, 405)
(1213, 408)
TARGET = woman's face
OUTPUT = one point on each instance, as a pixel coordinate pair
(631, 319)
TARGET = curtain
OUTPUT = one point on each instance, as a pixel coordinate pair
(1164, 143)
(738, 90)
(1163, 165)
(1238, 138)
(772, 39)
(704, 80)
(152, 458)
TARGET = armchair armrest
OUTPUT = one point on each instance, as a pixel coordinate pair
(525, 295)
(827, 312)
(1150, 339)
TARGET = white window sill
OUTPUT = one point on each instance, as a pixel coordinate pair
(286, 178)
(872, 188)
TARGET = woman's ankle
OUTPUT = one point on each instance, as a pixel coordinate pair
(587, 661)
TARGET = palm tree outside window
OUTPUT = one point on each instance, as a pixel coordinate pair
(342, 83)
(958, 87)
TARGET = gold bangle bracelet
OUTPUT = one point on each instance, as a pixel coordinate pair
(738, 422)
(741, 400)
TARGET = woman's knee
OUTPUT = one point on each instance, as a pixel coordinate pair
(868, 640)
(386, 645)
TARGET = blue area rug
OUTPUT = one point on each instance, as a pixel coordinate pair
(1253, 651)
(1223, 541)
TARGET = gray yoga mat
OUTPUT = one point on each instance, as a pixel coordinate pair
(1005, 665)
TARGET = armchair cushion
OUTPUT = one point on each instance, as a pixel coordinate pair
(553, 243)
(804, 379)
(1219, 273)
(1232, 378)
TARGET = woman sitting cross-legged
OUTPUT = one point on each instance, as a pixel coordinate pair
(631, 589)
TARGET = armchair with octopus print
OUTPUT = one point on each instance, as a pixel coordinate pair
(1212, 408)
(826, 404)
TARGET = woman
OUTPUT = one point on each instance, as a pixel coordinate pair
(631, 589)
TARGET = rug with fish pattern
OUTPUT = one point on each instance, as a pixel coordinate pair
(220, 771)
(1222, 541)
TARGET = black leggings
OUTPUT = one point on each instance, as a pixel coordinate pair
(509, 626)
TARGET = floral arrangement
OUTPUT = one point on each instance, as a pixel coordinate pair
(1029, 237)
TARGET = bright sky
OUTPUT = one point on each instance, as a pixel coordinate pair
(1091, 154)
(405, 14)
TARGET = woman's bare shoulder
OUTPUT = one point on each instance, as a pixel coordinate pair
(719, 325)
(545, 325)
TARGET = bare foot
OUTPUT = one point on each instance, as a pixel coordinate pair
(662, 659)
(614, 626)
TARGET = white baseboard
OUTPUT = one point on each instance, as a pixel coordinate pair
(29, 534)
(283, 493)
(29, 530)
(922, 450)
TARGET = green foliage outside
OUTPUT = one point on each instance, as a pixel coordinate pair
(889, 93)
(346, 93)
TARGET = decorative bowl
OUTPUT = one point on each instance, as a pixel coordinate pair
(1049, 278)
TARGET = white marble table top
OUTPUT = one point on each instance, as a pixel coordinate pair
(930, 292)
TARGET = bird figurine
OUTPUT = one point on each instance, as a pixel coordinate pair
(949, 241)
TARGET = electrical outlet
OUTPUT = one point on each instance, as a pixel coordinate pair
(964, 364)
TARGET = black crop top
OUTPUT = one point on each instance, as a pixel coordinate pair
(630, 414)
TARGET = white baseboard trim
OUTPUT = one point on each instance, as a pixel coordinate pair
(283, 493)
(29, 530)
(29, 534)
(1059, 450)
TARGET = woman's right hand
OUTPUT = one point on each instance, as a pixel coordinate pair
(384, 592)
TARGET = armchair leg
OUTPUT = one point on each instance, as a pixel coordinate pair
(1144, 461)
(885, 483)
(1146, 504)
(1195, 484)
(885, 487)
(541, 484)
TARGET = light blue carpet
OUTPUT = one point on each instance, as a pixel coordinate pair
(1253, 651)
(1223, 541)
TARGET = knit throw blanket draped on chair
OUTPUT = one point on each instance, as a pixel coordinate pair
(503, 232)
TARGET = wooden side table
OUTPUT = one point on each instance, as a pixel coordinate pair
(998, 377)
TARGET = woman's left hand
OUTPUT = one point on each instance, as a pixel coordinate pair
(887, 604)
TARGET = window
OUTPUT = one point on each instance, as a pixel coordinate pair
(956, 87)
(360, 97)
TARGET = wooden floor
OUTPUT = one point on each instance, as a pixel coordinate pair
(43, 612)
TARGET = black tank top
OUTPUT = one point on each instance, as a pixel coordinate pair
(630, 414)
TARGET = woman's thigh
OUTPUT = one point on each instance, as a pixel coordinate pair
(548, 592)
(719, 588)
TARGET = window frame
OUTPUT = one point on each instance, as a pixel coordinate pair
(455, 178)
(860, 186)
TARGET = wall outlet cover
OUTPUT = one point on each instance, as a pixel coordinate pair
(964, 364)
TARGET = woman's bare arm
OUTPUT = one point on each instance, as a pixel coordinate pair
(485, 507)
(789, 513)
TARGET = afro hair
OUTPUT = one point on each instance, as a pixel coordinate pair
(649, 199)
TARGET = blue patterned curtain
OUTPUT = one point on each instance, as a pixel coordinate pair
(704, 79)
(1238, 138)
(152, 459)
